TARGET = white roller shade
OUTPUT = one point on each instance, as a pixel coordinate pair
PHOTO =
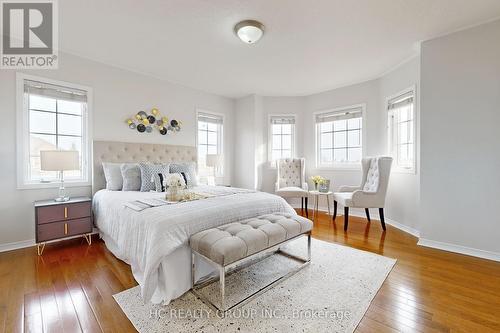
(54, 91)
(281, 120)
(350, 113)
(400, 101)
(210, 118)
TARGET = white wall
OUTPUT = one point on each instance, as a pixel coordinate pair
(118, 94)
(403, 195)
(244, 143)
(460, 118)
(364, 93)
(279, 106)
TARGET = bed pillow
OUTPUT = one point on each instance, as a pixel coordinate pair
(131, 174)
(189, 170)
(160, 182)
(113, 175)
(148, 173)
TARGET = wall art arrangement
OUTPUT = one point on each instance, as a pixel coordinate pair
(144, 122)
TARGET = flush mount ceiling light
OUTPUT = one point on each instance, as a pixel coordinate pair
(249, 31)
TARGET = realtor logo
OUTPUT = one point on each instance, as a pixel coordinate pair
(29, 34)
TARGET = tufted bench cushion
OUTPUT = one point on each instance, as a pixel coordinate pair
(234, 241)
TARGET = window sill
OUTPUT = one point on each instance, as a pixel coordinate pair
(407, 171)
(34, 186)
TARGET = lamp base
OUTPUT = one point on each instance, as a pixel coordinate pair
(61, 199)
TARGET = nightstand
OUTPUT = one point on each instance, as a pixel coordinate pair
(60, 220)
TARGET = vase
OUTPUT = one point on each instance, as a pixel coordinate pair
(173, 193)
(325, 186)
(315, 186)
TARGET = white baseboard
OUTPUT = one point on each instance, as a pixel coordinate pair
(358, 212)
(459, 249)
(17, 245)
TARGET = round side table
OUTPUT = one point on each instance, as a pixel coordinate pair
(316, 195)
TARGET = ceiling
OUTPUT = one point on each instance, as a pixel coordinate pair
(309, 45)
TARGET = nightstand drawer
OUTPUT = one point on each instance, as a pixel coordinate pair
(55, 230)
(55, 213)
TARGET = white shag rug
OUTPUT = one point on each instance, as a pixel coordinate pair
(330, 295)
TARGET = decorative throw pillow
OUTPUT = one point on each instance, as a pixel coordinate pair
(113, 175)
(160, 182)
(148, 172)
(131, 174)
(189, 170)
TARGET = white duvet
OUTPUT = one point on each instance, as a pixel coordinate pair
(156, 238)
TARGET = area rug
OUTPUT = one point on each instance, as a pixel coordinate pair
(330, 295)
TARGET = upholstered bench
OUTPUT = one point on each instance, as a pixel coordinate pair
(229, 245)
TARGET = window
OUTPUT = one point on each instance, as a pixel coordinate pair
(282, 137)
(339, 137)
(210, 128)
(52, 116)
(402, 130)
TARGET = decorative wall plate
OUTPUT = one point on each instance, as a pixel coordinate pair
(144, 122)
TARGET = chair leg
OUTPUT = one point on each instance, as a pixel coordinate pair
(334, 210)
(307, 210)
(302, 205)
(346, 218)
(382, 219)
(367, 214)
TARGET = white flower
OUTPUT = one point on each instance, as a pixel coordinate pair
(175, 180)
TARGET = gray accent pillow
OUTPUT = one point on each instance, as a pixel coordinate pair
(131, 174)
(189, 170)
(148, 172)
(113, 175)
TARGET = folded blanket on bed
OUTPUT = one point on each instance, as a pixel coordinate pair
(141, 204)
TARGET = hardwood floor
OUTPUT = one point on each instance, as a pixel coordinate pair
(70, 288)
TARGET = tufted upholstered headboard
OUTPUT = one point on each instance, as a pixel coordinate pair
(127, 152)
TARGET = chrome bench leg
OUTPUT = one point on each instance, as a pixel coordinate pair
(222, 273)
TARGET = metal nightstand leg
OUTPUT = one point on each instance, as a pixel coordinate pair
(88, 238)
(40, 248)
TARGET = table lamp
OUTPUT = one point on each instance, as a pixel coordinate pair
(214, 161)
(60, 160)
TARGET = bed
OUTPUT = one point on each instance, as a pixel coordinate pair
(155, 241)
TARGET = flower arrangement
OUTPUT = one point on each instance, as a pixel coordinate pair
(175, 183)
(175, 180)
(317, 180)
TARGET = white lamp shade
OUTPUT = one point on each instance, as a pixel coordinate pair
(59, 160)
(214, 160)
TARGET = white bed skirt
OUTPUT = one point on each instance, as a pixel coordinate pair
(174, 277)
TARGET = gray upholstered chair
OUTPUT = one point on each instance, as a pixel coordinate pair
(291, 181)
(370, 194)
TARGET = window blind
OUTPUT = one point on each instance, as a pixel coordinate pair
(54, 91)
(350, 113)
(282, 120)
(400, 101)
(210, 118)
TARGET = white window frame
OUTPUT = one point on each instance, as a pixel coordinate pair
(22, 138)
(337, 165)
(272, 163)
(219, 172)
(392, 141)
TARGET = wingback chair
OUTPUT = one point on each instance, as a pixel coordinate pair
(291, 181)
(370, 194)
